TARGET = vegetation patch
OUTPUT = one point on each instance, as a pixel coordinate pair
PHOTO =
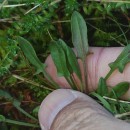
(30, 30)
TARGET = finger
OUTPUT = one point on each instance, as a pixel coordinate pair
(58, 100)
(68, 109)
(97, 66)
(52, 104)
(106, 56)
(51, 70)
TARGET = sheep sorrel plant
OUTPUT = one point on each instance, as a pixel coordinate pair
(66, 62)
(63, 56)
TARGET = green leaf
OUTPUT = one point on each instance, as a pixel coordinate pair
(65, 61)
(102, 87)
(29, 52)
(119, 90)
(2, 118)
(80, 42)
(103, 101)
(79, 35)
(59, 59)
(120, 62)
(5, 95)
(128, 6)
(118, 5)
(71, 60)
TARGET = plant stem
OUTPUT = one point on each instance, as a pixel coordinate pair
(24, 112)
(24, 4)
(74, 83)
(32, 9)
(85, 82)
(12, 6)
(48, 77)
(50, 35)
(120, 29)
(30, 82)
(70, 82)
(108, 74)
(78, 88)
(105, 33)
(44, 80)
(122, 115)
(112, 1)
(20, 123)
(115, 100)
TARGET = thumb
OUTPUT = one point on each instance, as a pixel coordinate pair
(66, 109)
(58, 100)
(51, 106)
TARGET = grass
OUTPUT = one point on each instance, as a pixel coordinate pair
(40, 23)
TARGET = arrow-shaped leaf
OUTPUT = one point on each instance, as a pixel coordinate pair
(79, 35)
(71, 59)
(120, 62)
(30, 54)
(59, 59)
(102, 87)
(119, 90)
(80, 42)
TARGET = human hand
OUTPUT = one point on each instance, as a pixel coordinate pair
(97, 66)
(71, 110)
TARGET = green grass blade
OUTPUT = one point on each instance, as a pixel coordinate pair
(103, 101)
(3, 119)
(21, 123)
(119, 90)
(24, 112)
(15, 103)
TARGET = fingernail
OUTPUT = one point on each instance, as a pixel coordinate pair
(52, 105)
